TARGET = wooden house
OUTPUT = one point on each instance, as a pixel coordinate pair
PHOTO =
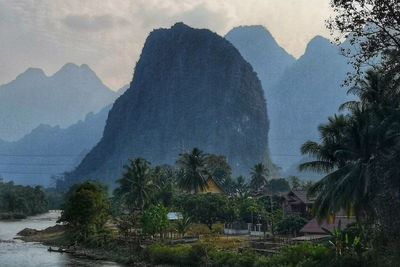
(297, 202)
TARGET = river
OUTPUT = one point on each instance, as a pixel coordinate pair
(16, 253)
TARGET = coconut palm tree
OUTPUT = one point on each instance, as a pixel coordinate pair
(351, 151)
(193, 176)
(136, 186)
(259, 176)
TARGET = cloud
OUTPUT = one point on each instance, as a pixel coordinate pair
(93, 23)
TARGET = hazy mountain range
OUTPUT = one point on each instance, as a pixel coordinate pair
(301, 93)
(191, 88)
(60, 99)
(174, 107)
(50, 150)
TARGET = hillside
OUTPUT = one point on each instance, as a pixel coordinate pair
(49, 151)
(191, 88)
(61, 99)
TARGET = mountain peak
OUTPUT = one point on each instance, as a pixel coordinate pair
(254, 31)
(187, 71)
(180, 26)
(32, 74)
(319, 45)
(259, 48)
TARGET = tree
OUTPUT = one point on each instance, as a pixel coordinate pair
(218, 168)
(278, 185)
(165, 178)
(155, 220)
(207, 208)
(136, 187)
(373, 30)
(194, 173)
(290, 225)
(259, 176)
(353, 148)
(294, 182)
(241, 188)
(86, 210)
(183, 225)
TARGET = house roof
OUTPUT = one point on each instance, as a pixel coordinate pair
(301, 195)
(173, 216)
(313, 227)
(211, 181)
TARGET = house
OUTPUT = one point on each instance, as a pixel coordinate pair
(213, 186)
(297, 202)
(314, 228)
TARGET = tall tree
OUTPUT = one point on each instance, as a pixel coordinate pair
(194, 173)
(373, 30)
(86, 210)
(136, 187)
(259, 176)
(352, 151)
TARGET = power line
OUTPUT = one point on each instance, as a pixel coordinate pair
(40, 155)
(34, 164)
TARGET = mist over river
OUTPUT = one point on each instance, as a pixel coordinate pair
(17, 253)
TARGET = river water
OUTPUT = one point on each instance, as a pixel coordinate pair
(16, 253)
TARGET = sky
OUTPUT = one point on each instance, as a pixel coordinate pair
(108, 35)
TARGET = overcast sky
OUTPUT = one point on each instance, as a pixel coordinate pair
(108, 35)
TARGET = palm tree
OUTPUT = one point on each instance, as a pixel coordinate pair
(352, 148)
(259, 176)
(136, 187)
(241, 187)
(194, 172)
(183, 225)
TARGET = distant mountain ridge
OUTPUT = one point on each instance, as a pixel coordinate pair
(259, 48)
(300, 94)
(50, 150)
(191, 88)
(60, 99)
(306, 95)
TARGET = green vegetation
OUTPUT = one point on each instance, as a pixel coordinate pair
(86, 211)
(259, 175)
(205, 254)
(194, 173)
(358, 153)
(136, 185)
(17, 201)
(290, 225)
(154, 220)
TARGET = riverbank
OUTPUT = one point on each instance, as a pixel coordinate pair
(10, 216)
(55, 238)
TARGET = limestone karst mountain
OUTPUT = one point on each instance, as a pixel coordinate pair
(259, 48)
(305, 96)
(191, 88)
(300, 94)
(61, 99)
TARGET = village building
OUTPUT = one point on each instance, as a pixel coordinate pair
(213, 186)
(316, 229)
(296, 202)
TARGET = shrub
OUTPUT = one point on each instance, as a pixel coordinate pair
(291, 225)
(305, 254)
(181, 255)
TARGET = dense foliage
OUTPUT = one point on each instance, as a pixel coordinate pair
(17, 201)
(291, 225)
(154, 220)
(373, 30)
(204, 254)
(86, 210)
